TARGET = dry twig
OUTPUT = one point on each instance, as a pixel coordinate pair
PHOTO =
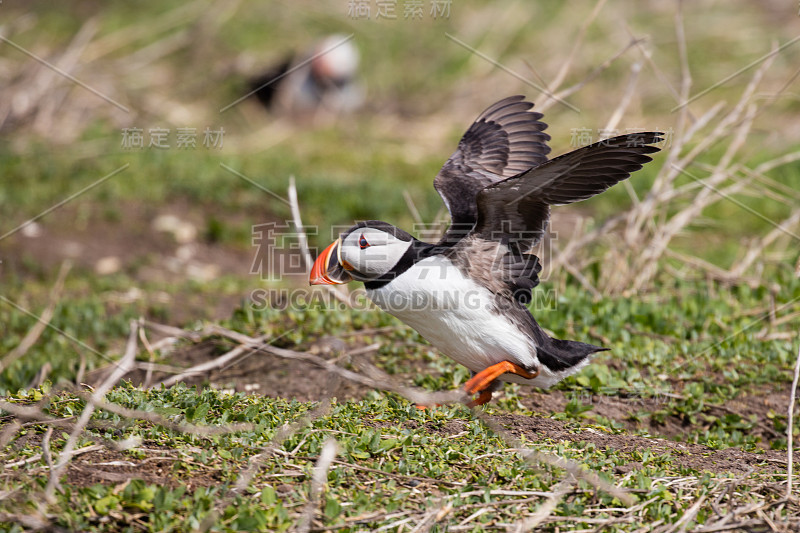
(36, 331)
(533, 456)
(559, 491)
(123, 367)
(302, 239)
(257, 344)
(549, 99)
(790, 428)
(318, 480)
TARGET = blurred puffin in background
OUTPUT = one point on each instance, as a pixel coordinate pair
(323, 79)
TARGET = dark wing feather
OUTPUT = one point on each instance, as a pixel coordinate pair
(517, 210)
(505, 140)
(521, 274)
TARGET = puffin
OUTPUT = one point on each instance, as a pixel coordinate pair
(324, 78)
(468, 293)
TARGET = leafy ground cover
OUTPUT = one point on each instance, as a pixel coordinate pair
(677, 413)
(395, 463)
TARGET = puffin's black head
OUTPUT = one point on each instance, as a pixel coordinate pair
(367, 251)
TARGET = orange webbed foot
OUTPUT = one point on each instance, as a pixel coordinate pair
(481, 382)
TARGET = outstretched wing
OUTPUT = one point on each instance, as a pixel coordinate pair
(517, 209)
(504, 141)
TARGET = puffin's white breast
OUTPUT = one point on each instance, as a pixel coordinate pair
(456, 315)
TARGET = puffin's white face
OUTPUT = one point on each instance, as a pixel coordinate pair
(365, 252)
(369, 253)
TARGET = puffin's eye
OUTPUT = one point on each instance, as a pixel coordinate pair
(362, 242)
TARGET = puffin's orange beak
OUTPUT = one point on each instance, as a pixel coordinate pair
(327, 270)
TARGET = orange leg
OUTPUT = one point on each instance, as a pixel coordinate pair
(482, 398)
(484, 379)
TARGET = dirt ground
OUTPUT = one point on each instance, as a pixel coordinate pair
(110, 467)
(296, 379)
(164, 246)
(107, 466)
(694, 456)
(260, 374)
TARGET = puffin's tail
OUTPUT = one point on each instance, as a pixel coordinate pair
(559, 356)
(565, 356)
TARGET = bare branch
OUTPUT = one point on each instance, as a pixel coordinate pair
(789, 428)
(541, 514)
(594, 74)
(38, 328)
(258, 344)
(318, 480)
(125, 365)
(183, 427)
(146, 343)
(39, 456)
(567, 64)
(757, 250)
(534, 456)
(48, 457)
(625, 101)
(302, 239)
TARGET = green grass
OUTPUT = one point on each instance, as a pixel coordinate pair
(680, 341)
(400, 443)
